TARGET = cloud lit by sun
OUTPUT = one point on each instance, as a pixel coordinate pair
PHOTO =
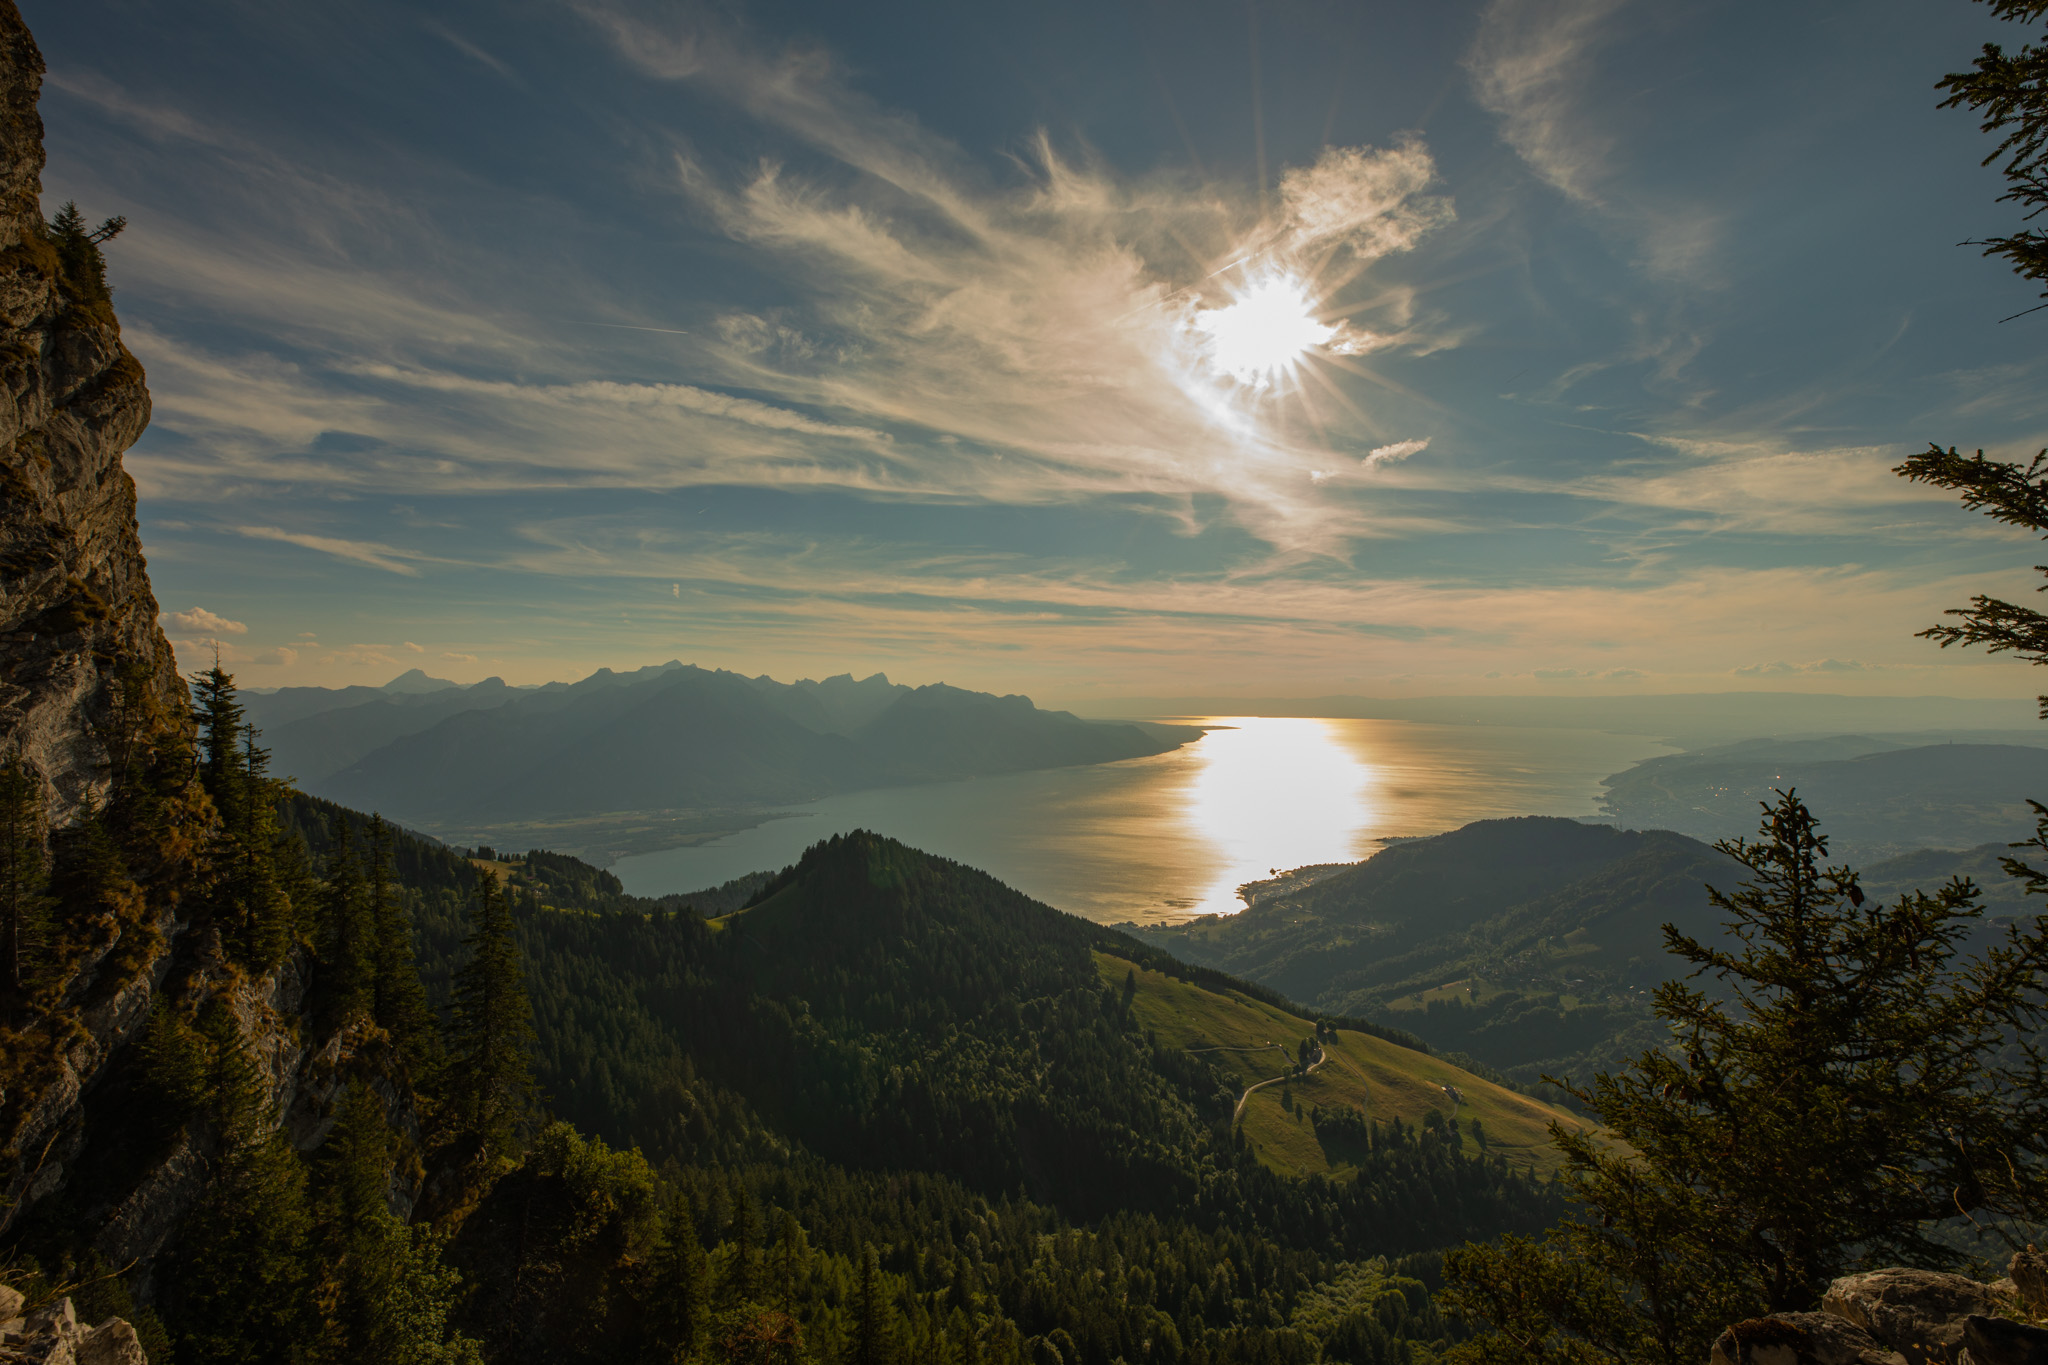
(1264, 332)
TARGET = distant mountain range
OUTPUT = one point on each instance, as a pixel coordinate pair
(671, 737)
(1690, 719)
(1877, 797)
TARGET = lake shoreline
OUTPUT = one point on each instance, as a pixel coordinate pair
(1177, 835)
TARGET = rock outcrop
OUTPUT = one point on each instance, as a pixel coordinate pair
(2001, 1341)
(1905, 1317)
(2029, 1272)
(1918, 1313)
(1800, 1339)
(51, 1334)
(76, 609)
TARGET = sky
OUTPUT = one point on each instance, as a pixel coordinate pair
(1080, 349)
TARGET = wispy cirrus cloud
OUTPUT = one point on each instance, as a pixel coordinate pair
(1398, 450)
(597, 394)
(205, 622)
(1047, 326)
(1535, 63)
(953, 337)
(1765, 484)
(1531, 63)
(377, 556)
(947, 604)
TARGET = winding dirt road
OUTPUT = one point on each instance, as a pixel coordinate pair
(1238, 1113)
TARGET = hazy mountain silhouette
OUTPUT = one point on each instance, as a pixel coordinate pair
(1871, 804)
(681, 737)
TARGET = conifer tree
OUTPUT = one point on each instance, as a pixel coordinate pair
(89, 877)
(24, 902)
(383, 1297)
(350, 1226)
(493, 1026)
(247, 900)
(873, 1329)
(252, 762)
(240, 1283)
(738, 1283)
(2009, 91)
(677, 1291)
(219, 716)
(347, 940)
(149, 765)
(790, 1255)
(84, 268)
(401, 1001)
(175, 1068)
(249, 903)
(1849, 1085)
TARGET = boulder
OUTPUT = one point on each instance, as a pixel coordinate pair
(2029, 1271)
(1800, 1339)
(113, 1342)
(52, 1335)
(1917, 1313)
(2001, 1341)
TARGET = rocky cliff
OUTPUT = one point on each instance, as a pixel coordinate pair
(92, 703)
(76, 611)
(85, 673)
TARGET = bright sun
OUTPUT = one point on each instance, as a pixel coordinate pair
(1268, 328)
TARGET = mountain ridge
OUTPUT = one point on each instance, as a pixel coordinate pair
(691, 738)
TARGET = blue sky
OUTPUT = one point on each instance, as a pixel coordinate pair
(532, 337)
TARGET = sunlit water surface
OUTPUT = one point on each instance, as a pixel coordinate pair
(1176, 834)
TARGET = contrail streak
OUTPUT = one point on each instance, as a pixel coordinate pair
(628, 327)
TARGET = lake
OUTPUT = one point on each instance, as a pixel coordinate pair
(1176, 834)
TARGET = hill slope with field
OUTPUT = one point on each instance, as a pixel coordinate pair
(1256, 1045)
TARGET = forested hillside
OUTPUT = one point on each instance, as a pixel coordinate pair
(1526, 945)
(883, 1009)
(890, 1107)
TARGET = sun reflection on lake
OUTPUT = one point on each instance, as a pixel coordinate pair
(1270, 793)
(1160, 838)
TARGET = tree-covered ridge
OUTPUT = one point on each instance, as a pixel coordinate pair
(889, 1010)
(891, 1111)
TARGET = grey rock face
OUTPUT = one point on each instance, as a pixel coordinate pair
(48, 1128)
(2001, 1341)
(1917, 1313)
(76, 608)
(1800, 1339)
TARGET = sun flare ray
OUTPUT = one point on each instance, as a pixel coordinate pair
(1263, 332)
